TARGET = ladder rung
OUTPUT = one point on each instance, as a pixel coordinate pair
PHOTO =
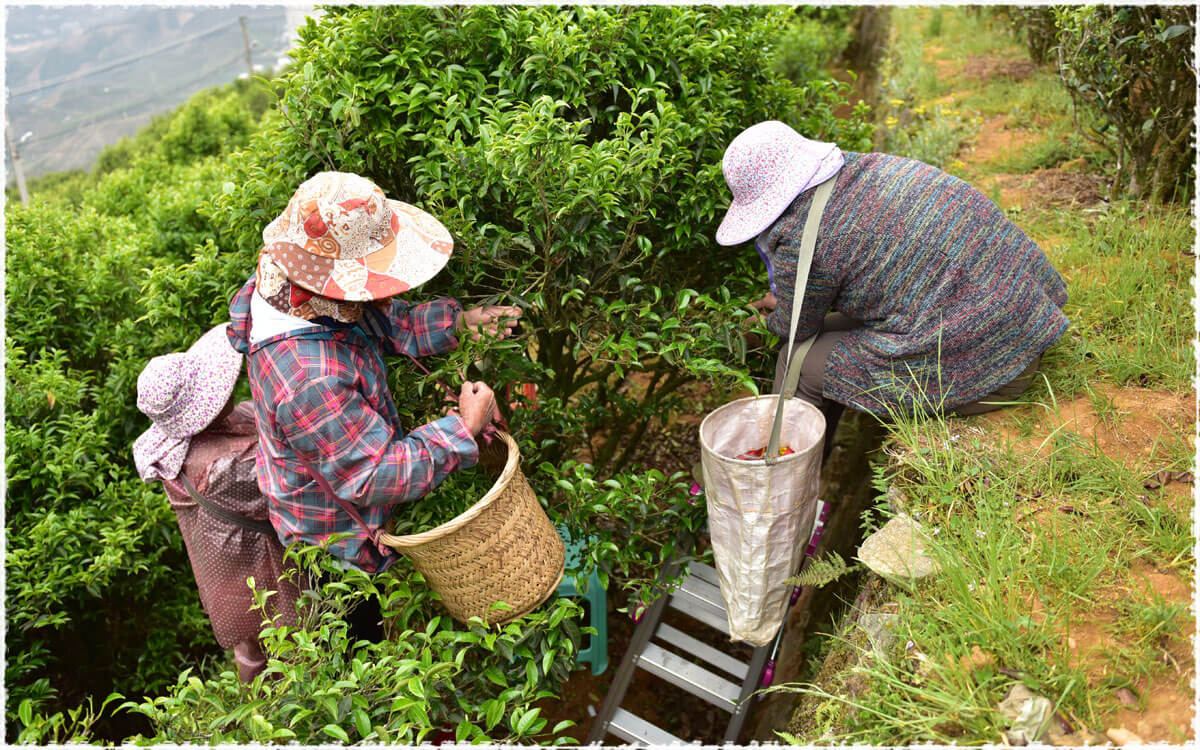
(705, 591)
(690, 676)
(689, 604)
(718, 659)
(637, 730)
(702, 601)
(705, 573)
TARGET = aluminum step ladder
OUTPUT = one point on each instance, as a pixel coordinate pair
(711, 674)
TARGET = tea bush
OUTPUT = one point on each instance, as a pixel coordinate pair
(94, 561)
(575, 155)
(98, 589)
(811, 41)
(1132, 65)
(214, 121)
(1035, 26)
(320, 687)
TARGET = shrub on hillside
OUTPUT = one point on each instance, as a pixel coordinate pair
(812, 39)
(1035, 26)
(98, 590)
(209, 123)
(214, 121)
(575, 155)
(96, 587)
(162, 197)
(1133, 66)
(475, 681)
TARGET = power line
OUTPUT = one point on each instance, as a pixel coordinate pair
(42, 86)
(91, 119)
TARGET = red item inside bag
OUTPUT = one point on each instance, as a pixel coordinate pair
(757, 453)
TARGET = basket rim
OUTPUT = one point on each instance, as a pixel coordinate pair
(707, 450)
(454, 524)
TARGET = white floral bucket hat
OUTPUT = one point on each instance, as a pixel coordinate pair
(339, 237)
(766, 166)
(182, 393)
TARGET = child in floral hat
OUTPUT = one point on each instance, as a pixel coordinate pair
(201, 446)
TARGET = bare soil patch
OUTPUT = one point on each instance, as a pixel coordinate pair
(946, 67)
(949, 100)
(987, 67)
(996, 141)
(1158, 707)
(1132, 425)
(1049, 187)
(1166, 704)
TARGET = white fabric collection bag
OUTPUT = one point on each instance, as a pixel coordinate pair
(760, 511)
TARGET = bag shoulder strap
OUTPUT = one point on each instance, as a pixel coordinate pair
(228, 516)
(343, 504)
(808, 244)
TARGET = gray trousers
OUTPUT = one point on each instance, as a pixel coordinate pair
(812, 378)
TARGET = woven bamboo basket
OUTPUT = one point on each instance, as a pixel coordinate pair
(501, 549)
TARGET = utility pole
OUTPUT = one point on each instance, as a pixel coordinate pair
(246, 40)
(16, 162)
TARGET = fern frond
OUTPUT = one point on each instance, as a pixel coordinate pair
(822, 571)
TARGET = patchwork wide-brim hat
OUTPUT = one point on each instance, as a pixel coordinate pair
(341, 238)
(766, 166)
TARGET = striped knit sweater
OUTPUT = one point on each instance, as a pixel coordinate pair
(955, 299)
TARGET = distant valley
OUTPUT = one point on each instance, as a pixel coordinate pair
(81, 77)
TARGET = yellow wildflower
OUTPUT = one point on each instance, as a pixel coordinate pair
(891, 122)
(896, 102)
(919, 110)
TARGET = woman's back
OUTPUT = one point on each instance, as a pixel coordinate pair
(954, 297)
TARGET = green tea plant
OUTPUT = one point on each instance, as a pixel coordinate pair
(807, 47)
(431, 674)
(1132, 65)
(459, 491)
(1035, 26)
(94, 561)
(575, 155)
(94, 555)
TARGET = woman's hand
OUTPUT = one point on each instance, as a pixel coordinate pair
(767, 303)
(476, 405)
(761, 306)
(493, 321)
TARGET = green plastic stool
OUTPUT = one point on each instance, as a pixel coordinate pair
(594, 594)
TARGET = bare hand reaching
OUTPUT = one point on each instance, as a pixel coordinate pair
(476, 405)
(493, 321)
(766, 303)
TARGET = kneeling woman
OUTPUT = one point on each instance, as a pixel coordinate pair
(922, 295)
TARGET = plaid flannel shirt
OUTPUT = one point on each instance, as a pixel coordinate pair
(321, 400)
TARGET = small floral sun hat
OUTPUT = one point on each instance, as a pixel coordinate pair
(766, 166)
(339, 237)
(182, 393)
